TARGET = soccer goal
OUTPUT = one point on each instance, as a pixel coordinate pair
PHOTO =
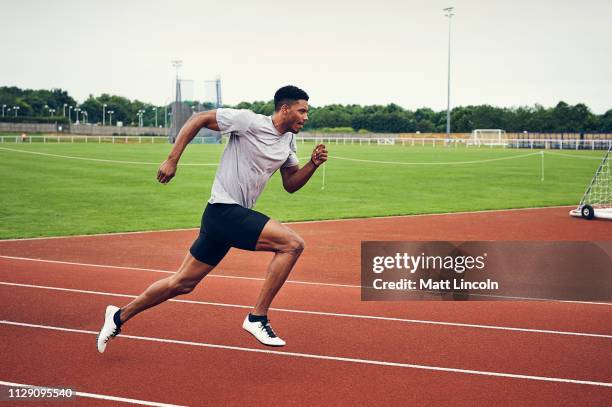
(488, 137)
(597, 200)
(386, 141)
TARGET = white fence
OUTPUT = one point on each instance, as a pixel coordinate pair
(594, 144)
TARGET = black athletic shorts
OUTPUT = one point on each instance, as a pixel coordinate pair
(225, 226)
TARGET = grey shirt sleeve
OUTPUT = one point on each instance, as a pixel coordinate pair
(235, 121)
(292, 160)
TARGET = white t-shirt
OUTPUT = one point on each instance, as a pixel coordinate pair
(254, 152)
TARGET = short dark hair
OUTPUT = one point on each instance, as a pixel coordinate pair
(288, 95)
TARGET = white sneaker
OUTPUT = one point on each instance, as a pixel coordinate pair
(263, 332)
(109, 329)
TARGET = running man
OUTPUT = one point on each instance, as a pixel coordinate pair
(258, 146)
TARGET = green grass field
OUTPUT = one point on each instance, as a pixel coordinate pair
(48, 196)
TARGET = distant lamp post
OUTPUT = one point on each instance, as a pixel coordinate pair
(104, 114)
(70, 114)
(64, 112)
(16, 109)
(77, 110)
(51, 112)
(141, 113)
(155, 110)
(449, 14)
(110, 117)
(3, 107)
(45, 107)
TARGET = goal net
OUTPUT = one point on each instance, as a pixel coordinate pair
(488, 137)
(597, 200)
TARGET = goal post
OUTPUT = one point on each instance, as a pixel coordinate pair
(597, 200)
(488, 137)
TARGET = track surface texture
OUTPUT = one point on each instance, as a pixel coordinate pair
(341, 351)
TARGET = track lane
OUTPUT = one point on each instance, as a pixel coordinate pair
(536, 315)
(198, 376)
(582, 358)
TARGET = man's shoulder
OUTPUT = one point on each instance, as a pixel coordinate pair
(238, 112)
(237, 120)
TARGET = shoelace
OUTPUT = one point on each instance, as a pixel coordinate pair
(266, 327)
(116, 332)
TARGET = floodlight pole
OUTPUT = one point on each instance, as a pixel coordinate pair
(449, 14)
(104, 114)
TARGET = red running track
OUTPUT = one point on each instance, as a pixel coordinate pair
(576, 345)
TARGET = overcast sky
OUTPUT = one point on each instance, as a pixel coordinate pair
(504, 53)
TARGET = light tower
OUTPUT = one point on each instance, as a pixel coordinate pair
(177, 63)
(448, 12)
(218, 89)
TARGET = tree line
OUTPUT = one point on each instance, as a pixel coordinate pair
(54, 106)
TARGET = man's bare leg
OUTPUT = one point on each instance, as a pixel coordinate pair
(184, 281)
(288, 246)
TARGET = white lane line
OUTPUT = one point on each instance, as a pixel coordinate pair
(289, 281)
(323, 357)
(322, 313)
(419, 215)
(170, 272)
(94, 396)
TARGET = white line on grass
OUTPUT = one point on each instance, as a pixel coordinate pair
(102, 160)
(584, 157)
(92, 395)
(315, 283)
(418, 215)
(434, 163)
(322, 357)
(321, 313)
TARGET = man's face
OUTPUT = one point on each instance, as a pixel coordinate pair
(296, 115)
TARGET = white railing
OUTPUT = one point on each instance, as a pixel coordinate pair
(556, 144)
(546, 144)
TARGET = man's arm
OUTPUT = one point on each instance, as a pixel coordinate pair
(206, 119)
(295, 177)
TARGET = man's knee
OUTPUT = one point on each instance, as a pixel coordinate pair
(294, 245)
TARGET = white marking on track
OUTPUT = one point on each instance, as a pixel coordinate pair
(322, 313)
(322, 357)
(288, 281)
(92, 395)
